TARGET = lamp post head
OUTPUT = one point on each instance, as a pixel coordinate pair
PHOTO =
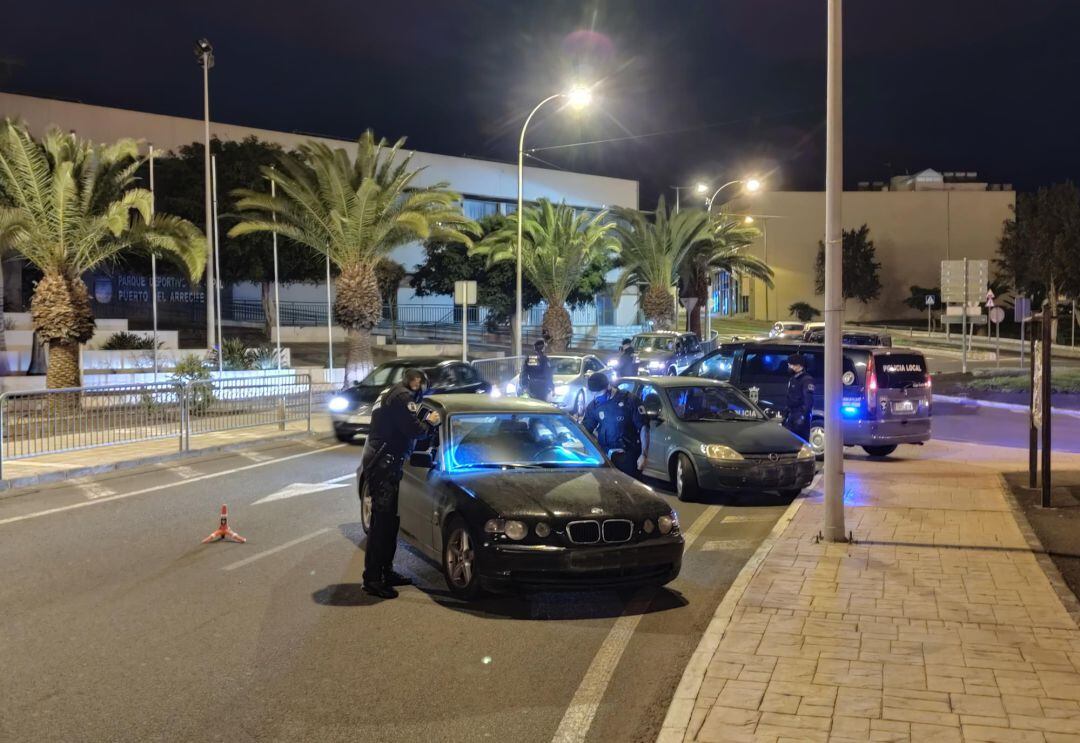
(701, 187)
(204, 52)
(748, 219)
(579, 96)
(752, 185)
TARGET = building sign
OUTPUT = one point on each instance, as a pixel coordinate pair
(135, 289)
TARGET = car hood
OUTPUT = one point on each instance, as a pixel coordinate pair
(362, 395)
(745, 437)
(644, 355)
(562, 494)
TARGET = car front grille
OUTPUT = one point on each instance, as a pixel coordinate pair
(611, 531)
(772, 457)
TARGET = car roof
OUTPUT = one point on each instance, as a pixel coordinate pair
(665, 382)
(797, 343)
(451, 403)
(659, 332)
(424, 362)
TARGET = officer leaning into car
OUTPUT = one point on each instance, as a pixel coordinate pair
(800, 398)
(616, 419)
(394, 429)
(537, 377)
(627, 364)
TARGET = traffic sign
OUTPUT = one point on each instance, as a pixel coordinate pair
(930, 300)
(464, 292)
(997, 315)
(1022, 309)
(954, 282)
(989, 297)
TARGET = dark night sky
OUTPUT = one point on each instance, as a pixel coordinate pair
(724, 87)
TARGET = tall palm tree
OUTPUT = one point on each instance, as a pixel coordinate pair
(558, 249)
(355, 211)
(67, 206)
(726, 250)
(653, 253)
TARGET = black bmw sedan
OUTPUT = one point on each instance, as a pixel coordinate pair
(350, 409)
(511, 493)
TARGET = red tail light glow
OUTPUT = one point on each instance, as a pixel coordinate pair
(871, 388)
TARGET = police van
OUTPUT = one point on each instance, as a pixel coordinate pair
(887, 391)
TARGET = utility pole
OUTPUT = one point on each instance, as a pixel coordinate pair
(834, 306)
(204, 52)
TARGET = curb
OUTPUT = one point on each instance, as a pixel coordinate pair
(677, 720)
(1001, 405)
(7, 486)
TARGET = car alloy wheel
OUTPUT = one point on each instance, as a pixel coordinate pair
(459, 561)
(579, 404)
(365, 508)
(817, 439)
(686, 481)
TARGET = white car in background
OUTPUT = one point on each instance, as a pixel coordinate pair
(571, 375)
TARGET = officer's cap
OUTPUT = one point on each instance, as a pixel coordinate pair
(626, 341)
(539, 345)
(598, 382)
(413, 373)
(796, 359)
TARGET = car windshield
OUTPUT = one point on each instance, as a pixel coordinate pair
(712, 404)
(499, 440)
(654, 343)
(565, 365)
(385, 375)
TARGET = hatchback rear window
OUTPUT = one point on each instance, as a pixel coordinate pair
(897, 371)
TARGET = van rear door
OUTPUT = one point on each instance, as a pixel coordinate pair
(903, 385)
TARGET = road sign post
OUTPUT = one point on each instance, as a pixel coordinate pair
(964, 281)
(1021, 314)
(930, 302)
(464, 294)
(1047, 418)
(996, 316)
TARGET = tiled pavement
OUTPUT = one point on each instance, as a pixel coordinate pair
(939, 623)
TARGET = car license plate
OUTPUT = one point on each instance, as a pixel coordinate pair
(904, 406)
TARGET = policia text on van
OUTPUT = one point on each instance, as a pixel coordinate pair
(887, 395)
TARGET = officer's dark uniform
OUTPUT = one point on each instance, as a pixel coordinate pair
(537, 377)
(800, 404)
(616, 421)
(394, 428)
(627, 366)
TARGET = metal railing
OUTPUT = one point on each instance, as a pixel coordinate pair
(56, 421)
(497, 372)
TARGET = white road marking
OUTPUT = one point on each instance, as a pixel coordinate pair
(579, 715)
(306, 488)
(184, 472)
(163, 486)
(256, 456)
(274, 550)
(93, 490)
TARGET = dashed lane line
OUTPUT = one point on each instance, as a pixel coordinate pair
(579, 716)
(274, 550)
(163, 486)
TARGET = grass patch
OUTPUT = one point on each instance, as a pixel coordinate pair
(993, 381)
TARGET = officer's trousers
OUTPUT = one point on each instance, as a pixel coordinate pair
(383, 478)
(798, 425)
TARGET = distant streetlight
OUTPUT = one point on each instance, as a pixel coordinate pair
(204, 53)
(578, 97)
(750, 185)
(699, 187)
(748, 219)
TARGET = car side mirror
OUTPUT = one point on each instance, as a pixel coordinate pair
(651, 407)
(422, 460)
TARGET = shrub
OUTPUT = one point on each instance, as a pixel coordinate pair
(265, 357)
(235, 356)
(190, 369)
(803, 311)
(124, 341)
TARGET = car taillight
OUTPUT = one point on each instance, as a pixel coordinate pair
(871, 388)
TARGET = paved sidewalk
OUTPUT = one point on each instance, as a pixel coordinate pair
(50, 467)
(940, 623)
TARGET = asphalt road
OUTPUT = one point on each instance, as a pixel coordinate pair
(117, 624)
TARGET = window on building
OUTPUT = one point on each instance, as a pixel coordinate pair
(477, 209)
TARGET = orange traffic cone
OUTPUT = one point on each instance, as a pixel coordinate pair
(223, 532)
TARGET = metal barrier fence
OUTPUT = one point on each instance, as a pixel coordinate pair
(497, 372)
(57, 421)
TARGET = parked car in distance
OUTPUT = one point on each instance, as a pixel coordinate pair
(665, 351)
(513, 494)
(571, 376)
(815, 333)
(787, 329)
(886, 401)
(707, 435)
(350, 409)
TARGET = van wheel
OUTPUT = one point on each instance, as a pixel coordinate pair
(685, 478)
(817, 438)
(880, 451)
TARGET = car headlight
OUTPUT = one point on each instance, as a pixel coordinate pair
(719, 451)
(339, 404)
(668, 523)
(496, 392)
(515, 530)
(613, 362)
(656, 364)
(561, 390)
(542, 530)
(648, 526)
(806, 452)
(511, 388)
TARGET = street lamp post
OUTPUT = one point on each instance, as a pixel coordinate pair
(698, 188)
(153, 269)
(579, 97)
(834, 307)
(752, 185)
(204, 53)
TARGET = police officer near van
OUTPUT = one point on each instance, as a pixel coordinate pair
(394, 429)
(537, 376)
(627, 364)
(616, 419)
(800, 398)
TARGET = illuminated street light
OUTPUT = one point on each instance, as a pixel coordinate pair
(701, 188)
(750, 185)
(748, 219)
(578, 97)
(753, 185)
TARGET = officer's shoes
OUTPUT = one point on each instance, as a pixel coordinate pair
(394, 578)
(381, 589)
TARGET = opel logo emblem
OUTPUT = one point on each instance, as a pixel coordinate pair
(773, 456)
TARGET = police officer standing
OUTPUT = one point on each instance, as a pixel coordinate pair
(537, 377)
(800, 398)
(615, 418)
(627, 364)
(394, 428)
